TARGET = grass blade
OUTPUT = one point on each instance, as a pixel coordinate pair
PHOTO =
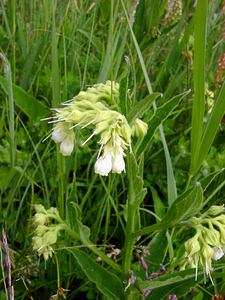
(200, 26)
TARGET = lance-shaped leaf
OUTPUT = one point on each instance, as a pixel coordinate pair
(107, 282)
(34, 109)
(159, 116)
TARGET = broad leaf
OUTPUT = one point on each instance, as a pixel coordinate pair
(157, 249)
(136, 191)
(169, 279)
(159, 116)
(107, 283)
(178, 283)
(142, 106)
(34, 109)
(188, 204)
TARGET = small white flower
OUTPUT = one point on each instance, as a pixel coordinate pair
(67, 145)
(103, 165)
(217, 253)
(59, 134)
(118, 164)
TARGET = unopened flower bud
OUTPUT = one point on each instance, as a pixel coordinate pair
(46, 252)
(143, 263)
(215, 210)
(192, 245)
(147, 292)
(211, 236)
(40, 209)
(40, 219)
(50, 237)
(139, 128)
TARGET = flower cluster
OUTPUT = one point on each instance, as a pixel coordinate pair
(95, 109)
(45, 234)
(208, 243)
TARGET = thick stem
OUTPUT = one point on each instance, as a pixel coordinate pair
(130, 226)
(129, 240)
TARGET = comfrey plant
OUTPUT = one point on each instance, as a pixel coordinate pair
(208, 243)
(46, 233)
(95, 109)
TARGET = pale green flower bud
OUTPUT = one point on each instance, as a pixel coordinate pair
(50, 237)
(53, 213)
(139, 128)
(40, 219)
(37, 242)
(215, 210)
(126, 132)
(41, 230)
(206, 255)
(39, 208)
(221, 227)
(47, 252)
(192, 245)
(211, 236)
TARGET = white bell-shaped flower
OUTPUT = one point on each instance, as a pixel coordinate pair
(59, 133)
(103, 165)
(67, 145)
(217, 253)
(118, 163)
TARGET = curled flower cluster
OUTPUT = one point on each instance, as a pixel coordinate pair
(208, 243)
(45, 234)
(94, 109)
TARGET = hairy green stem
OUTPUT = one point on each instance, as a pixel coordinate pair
(130, 226)
(129, 240)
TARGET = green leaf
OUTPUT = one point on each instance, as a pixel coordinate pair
(107, 283)
(6, 176)
(200, 31)
(212, 126)
(82, 230)
(34, 109)
(178, 283)
(169, 279)
(159, 116)
(142, 106)
(157, 249)
(136, 190)
(158, 204)
(186, 205)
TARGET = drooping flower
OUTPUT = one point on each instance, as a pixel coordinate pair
(118, 163)
(217, 253)
(65, 136)
(95, 109)
(208, 243)
(67, 145)
(45, 233)
(103, 165)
